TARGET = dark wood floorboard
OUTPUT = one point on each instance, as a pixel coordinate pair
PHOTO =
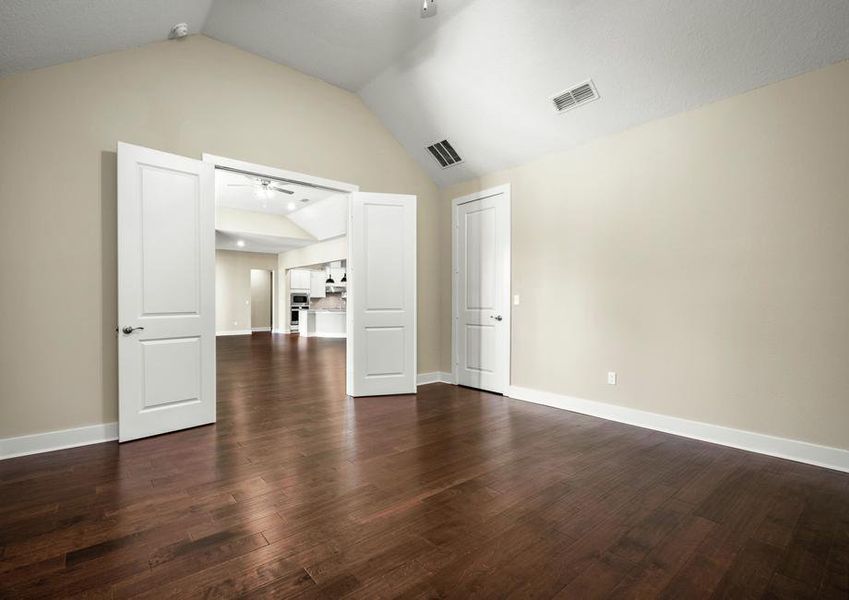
(300, 492)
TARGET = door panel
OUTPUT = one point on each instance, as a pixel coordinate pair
(482, 282)
(166, 250)
(382, 294)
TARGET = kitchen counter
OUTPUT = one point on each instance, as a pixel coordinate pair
(323, 323)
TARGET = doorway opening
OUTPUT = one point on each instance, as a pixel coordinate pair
(178, 216)
(281, 252)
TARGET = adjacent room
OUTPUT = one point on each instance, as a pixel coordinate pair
(424, 299)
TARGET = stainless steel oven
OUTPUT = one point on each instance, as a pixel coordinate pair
(299, 302)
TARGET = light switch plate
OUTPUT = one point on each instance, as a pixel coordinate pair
(611, 377)
(515, 299)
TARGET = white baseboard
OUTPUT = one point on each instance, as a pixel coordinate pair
(805, 452)
(434, 377)
(260, 329)
(234, 332)
(279, 330)
(57, 440)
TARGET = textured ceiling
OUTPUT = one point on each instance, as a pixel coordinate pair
(38, 33)
(481, 72)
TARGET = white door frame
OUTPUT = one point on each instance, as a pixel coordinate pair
(504, 192)
(232, 164)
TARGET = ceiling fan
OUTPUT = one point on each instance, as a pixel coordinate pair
(265, 187)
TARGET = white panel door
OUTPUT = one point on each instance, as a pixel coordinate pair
(482, 324)
(166, 292)
(382, 294)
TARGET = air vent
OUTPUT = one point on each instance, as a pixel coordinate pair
(444, 154)
(575, 96)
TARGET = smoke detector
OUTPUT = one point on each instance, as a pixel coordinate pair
(179, 31)
(428, 8)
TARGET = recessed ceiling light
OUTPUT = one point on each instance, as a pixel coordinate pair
(291, 206)
(240, 243)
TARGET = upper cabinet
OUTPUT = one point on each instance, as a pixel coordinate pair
(299, 280)
(317, 287)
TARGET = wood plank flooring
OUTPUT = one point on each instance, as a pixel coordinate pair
(298, 491)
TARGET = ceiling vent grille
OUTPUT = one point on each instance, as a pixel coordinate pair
(575, 96)
(444, 154)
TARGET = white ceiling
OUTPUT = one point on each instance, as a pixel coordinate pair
(243, 192)
(481, 72)
(321, 213)
(38, 33)
(324, 220)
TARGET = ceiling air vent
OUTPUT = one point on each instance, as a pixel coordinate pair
(575, 96)
(444, 154)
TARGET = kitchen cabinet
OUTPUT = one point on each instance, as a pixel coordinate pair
(299, 280)
(317, 287)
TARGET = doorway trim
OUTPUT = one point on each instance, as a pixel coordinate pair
(504, 192)
(231, 164)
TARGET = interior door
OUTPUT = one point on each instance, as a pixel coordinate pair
(482, 284)
(381, 294)
(166, 292)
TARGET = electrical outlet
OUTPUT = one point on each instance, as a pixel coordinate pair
(515, 299)
(611, 377)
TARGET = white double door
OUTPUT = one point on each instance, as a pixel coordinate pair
(482, 291)
(166, 293)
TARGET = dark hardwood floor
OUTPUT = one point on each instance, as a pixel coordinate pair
(298, 491)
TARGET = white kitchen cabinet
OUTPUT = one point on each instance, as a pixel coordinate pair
(317, 287)
(299, 280)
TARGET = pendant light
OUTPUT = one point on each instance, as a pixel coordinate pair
(329, 277)
(344, 278)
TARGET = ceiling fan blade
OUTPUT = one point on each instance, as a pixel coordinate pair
(242, 185)
(281, 190)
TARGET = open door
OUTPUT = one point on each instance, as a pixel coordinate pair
(166, 292)
(381, 294)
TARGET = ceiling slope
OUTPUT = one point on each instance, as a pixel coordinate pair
(482, 72)
(346, 43)
(485, 79)
(40, 33)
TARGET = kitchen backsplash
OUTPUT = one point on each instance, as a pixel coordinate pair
(333, 300)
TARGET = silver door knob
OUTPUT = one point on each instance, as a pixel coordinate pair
(128, 330)
(496, 317)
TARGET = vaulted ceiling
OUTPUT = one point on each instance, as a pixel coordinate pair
(482, 72)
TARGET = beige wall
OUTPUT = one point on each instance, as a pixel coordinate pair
(247, 221)
(233, 287)
(703, 257)
(314, 254)
(59, 127)
(261, 298)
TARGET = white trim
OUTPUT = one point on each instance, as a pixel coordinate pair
(274, 172)
(234, 332)
(805, 452)
(280, 330)
(57, 440)
(260, 329)
(434, 377)
(508, 278)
